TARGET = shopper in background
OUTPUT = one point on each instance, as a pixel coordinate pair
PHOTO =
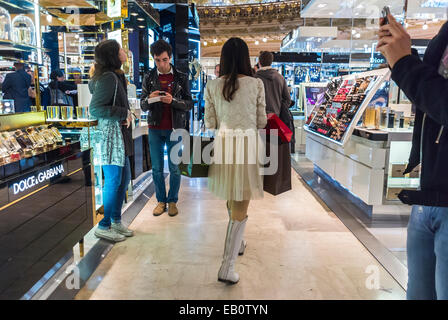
(172, 112)
(61, 91)
(16, 86)
(217, 70)
(425, 83)
(277, 94)
(235, 102)
(110, 106)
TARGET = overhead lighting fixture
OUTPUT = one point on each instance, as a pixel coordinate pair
(141, 19)
(425, 27)
(142, 27)
(257, 42)
(205, 43)
(322, 5)
(134, 14)
(130, 29)
(265, 40)
(215, 40)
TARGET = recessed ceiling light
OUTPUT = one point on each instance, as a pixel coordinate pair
(134, 14)
(322, 5)
(141, 19)
(131, 29)
(142, 27)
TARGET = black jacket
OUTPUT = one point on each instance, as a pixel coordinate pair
(181, 105)
(428, 91)
(15, 86)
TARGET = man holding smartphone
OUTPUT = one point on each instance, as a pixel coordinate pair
(164, 116)
(425, 83)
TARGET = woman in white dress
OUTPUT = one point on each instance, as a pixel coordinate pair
(235, 106)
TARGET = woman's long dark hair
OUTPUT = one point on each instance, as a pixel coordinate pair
(106, 57)
(234, 60)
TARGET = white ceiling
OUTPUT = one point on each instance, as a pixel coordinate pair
(351, 8)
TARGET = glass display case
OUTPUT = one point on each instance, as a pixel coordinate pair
(23, 30)
(346, 99)
(5, 24)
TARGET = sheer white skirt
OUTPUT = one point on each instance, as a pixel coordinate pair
(235, 173)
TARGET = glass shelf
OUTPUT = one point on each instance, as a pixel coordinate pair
(21, 47)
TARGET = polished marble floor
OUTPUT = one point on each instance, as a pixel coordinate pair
(297, 249)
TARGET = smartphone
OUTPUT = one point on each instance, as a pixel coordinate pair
(384, 14)
(162, 93)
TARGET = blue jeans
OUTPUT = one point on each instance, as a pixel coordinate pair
(116, 181)
(427, 247)
(157, 141)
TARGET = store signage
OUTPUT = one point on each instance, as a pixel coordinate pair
(114, 8)
(32, 182)
(115, 35)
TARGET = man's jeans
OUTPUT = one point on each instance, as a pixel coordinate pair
(157, 140)
(427, 250)
(116, 181)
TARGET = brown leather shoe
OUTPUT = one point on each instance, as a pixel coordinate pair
(172, 209)
(161, 208)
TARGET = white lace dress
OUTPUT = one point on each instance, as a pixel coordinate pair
(235, 173)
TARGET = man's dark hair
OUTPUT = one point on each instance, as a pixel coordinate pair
(266, 58)
(159, 47)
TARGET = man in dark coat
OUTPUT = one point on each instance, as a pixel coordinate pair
(425, 83)
(15, 86)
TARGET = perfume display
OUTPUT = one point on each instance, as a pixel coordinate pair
(5, 24)
(23, 30)
(23, 143)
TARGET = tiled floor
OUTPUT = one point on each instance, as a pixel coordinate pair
(297, 249)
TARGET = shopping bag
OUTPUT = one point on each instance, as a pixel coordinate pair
(195, 168)
(280, 181)
(283, 131)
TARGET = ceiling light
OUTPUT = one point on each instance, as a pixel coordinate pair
(265, 40)
(131, 29)
(142, 27)
(425, 27)
(205, 43)
(257, 43)
(215, 40)
(134, 14)
(322, 5)
(141, 19)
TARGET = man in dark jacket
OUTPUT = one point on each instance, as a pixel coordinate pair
(278, 99)
(276, 89)
(15, 86)
(426, 84)
(172, 112)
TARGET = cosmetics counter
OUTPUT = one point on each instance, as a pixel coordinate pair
(346, 149)
(46, 199)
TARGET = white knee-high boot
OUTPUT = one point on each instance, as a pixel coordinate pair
(235, 232)
(243, 242)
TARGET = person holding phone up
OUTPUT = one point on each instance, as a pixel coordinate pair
(425, 83)
(169, 114)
